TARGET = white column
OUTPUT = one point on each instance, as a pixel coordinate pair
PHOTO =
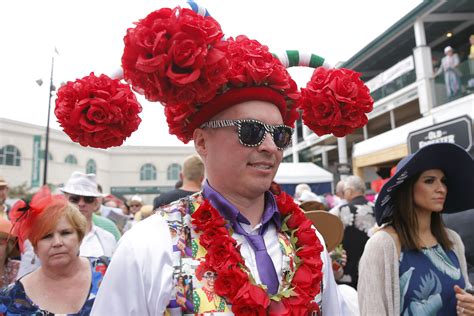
(324, 155)
(293, 147)
(424, 69)
(392, 120)
(342, 149)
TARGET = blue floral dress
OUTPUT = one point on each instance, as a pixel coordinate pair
(14, 301)
(427, 278)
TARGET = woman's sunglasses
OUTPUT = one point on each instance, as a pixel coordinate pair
(74, 199)
(252, 132)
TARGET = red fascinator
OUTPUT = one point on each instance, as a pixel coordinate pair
(23, 215)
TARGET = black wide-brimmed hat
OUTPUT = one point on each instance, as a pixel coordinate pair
(457, 165)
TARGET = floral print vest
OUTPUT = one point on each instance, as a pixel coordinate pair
(192, 296)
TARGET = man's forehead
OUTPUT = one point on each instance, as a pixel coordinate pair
(251, 110)
(2, 187)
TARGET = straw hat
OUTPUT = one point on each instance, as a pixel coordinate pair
(6, 231)
(3, 182)
(329, 225)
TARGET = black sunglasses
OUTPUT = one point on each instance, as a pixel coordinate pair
(252, 132)
(74, 199)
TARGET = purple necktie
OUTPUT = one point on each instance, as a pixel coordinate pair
(265, 267)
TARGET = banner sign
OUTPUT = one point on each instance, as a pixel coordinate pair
(35, 170)
(457, 131)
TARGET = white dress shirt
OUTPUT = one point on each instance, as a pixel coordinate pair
(143, 265)
(98, 242)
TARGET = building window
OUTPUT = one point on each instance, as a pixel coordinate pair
(71, 160)
(10, 156)
(147, 172)
(41, 155)
(91, 166)
(173, 171)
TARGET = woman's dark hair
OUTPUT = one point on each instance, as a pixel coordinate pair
(405, 220)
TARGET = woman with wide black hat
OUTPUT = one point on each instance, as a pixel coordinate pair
(414, 265)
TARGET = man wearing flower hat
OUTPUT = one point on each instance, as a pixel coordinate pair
(238, 103)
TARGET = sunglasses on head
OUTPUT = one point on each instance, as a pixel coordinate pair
(252, 132)
(76, 198)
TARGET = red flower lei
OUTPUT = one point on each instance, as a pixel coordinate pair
(234, 281)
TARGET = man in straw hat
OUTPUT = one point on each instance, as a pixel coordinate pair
(3, 197)
(238, 103)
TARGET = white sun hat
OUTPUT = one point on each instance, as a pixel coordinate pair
(82, 184)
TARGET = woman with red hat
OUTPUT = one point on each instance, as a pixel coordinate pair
(65, 283)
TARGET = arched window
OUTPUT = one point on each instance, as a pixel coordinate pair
(71, 160)
(147, 172)
(50, 157)
(10, 156)
(91, 166)
(173, 171)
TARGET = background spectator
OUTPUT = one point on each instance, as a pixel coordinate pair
(4, 208)
(414, 265)
(192, 176)
(65, 283)
(9, 253)
(358, 218)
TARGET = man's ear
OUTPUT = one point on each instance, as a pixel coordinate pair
(200, 139)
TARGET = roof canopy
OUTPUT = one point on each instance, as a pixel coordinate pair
(303, 172)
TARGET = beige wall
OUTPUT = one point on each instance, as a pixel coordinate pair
(115, 166)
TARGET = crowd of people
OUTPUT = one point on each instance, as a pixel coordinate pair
(394, 256)
(228, 240)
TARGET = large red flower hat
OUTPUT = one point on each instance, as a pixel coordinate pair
(182, 60)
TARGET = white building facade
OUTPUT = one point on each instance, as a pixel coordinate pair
(122, 171)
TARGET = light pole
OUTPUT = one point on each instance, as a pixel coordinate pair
(52, 88)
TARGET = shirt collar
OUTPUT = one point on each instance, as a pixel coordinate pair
(231, 213)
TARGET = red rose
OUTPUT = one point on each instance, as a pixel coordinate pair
(252, 64)
(172, 49)
(309, 250)
(298, 303)
(308, 237)
(210, 235)
(229, 281)
(335, 101)
(321, 110)
(296, 219)
(223, 253)
(206, 216)
(250, 300)
(278, 308)
(97, 111)
(285, 203)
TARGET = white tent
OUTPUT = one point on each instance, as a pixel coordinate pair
(302, 172)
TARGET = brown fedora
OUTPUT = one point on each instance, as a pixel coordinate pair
(329, 225)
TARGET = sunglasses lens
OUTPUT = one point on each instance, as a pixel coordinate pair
(89, 199)
(74, 199)
(282, 136)
(251, 133)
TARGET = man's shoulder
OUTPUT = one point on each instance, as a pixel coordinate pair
(150, 226)
(103, 233)
(171, 196)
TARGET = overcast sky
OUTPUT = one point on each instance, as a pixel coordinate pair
(88, 35)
